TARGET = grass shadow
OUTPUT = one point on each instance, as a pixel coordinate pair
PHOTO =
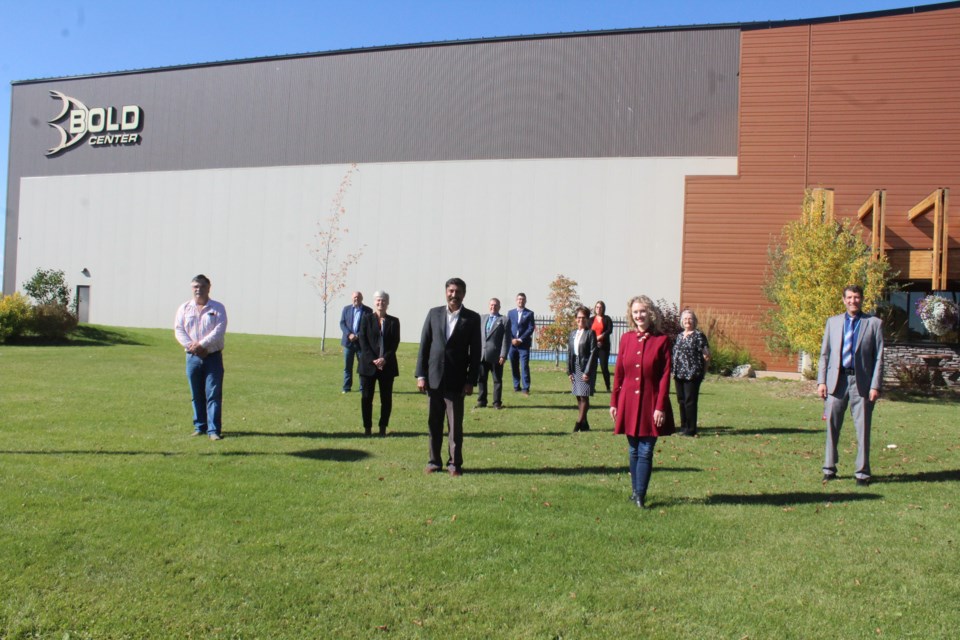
(775, 499)
(91, 452)
(82, 336)
(509, 434)
(772, 431)
(331, 455)
(567, 471)
(947, 475)
(514, 407)
(336, 435)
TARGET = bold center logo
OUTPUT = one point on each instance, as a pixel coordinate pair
(106, 125)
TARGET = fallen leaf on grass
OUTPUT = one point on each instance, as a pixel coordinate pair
(453, 518)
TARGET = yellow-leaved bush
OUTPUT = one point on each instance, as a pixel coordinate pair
(809, 266)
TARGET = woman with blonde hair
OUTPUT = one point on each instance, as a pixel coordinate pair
(640, 399)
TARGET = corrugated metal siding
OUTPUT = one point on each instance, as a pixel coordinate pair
(883, 95)
(643, 94)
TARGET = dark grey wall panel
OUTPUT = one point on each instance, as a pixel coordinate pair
(671, 93)
(634, 94)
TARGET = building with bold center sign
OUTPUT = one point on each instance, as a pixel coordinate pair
(657, 161)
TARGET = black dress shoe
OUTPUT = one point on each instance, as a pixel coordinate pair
(497, 405)
(584, 426)
(577, 427)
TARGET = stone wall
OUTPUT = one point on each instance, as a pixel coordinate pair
(896, 355)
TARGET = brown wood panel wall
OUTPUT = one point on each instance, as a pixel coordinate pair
(855, 106)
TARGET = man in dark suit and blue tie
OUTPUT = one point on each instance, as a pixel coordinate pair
(521, 339)
(447, 368)
(495, 349)
(350, 321)
(850, 373)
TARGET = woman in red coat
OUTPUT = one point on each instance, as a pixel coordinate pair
(640, 400)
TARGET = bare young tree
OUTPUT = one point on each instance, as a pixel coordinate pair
(332, 278)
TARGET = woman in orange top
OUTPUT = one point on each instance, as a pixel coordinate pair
(640, 400)
(602, 326)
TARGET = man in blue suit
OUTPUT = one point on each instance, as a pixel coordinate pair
(850, 373)
(521, 338)
(350, 321)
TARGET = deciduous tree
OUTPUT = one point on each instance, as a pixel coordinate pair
(48, 286)
(563, 301)
(332, 277)
(809, 265)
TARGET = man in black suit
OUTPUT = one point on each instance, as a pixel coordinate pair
(448, 365)
(496, 344)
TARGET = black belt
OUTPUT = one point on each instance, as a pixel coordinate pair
(849, 372)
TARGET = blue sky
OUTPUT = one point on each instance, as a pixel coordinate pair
(56, 38)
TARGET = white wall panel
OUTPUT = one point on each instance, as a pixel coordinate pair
(614, 225)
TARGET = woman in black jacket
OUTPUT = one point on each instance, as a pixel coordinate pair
(379, 338)
(582, 365)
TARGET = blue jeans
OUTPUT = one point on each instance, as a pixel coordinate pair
(641, 462)
(350, 352)
(520, 365)
(205, 376)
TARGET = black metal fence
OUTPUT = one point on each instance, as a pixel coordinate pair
(536, 353)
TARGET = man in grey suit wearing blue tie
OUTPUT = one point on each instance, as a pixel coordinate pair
(496, 344)
(850, 372)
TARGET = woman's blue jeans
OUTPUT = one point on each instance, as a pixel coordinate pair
(641, 462)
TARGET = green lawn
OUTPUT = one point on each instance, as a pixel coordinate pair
(117, 524)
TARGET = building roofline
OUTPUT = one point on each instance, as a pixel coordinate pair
(743, 26)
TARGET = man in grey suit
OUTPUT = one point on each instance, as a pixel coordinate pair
(447, 368)
(495, 348)
(850, 372)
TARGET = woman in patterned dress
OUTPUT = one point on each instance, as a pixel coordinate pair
(690, 356)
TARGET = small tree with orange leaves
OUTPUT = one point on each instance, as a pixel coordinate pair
(564, 301)
(332, 278)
